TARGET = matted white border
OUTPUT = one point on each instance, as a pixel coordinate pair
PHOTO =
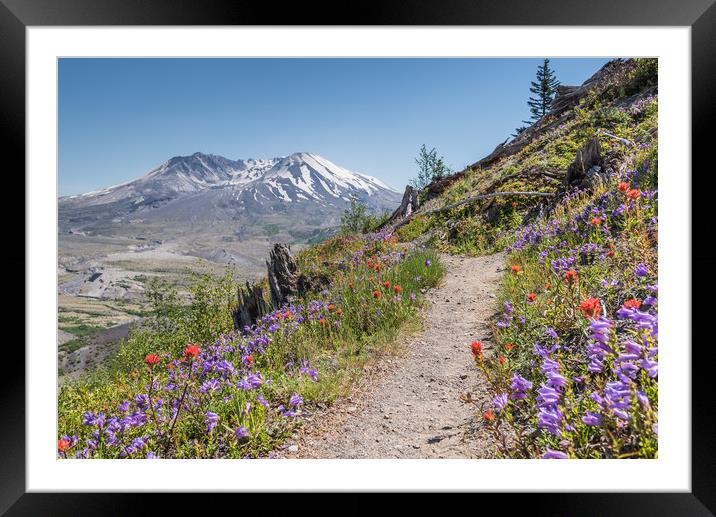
(671, 471)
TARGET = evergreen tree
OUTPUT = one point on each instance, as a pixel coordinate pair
(430, 167)
(544, 89)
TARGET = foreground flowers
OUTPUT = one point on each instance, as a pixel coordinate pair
(239, 394)
(579, 378)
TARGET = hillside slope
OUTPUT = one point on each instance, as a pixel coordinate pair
(573, 366)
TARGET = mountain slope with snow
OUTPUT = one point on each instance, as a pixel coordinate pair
(211, 188)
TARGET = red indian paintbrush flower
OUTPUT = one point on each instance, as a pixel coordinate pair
(531, 297)
(397, 289)
(151, 360)
(489, 415)
(386, 285)
(591, 308)
(250, 359)
(610, 254)
(63, 445)
(509, 346)
(595, 221)
(516, 269)
(502, 359)
(376, 294)
(331, 307)
(623, 186)
(632, 304)
(571, 276)
(191, 351)
(476, 348)
(322, 321)
(633, 194)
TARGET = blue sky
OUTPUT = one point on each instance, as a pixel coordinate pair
(119, 118)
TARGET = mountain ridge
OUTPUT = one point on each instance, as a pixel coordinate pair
(213, 187)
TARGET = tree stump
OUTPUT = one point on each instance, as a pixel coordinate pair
(250, 306)
(408, 205)
(587, 158)
(282, 275)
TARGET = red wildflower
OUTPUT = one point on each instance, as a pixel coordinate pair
(571, 276)
(322, 321)
(509, 346)
(596, 221)
(591, 308)
(331, 307)
(350, 285)
(151, 360)
(502, 359)
(250, 359)
(489, 415)
(516, 269)
(397, 289)
(191, 350)
(624, 186)
(377, 267)
(610, 254)
(633, 194)
(514, 204)
(386, 285)
(376, 294)
(531, 297)
(63, 445)
(632, 304)
(339, 311)
(476, 348)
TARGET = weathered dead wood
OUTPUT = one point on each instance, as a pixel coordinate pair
(282, 275)
(250, 306)
(472, 200)
(409, 204)
(624, 141)
(587, 158)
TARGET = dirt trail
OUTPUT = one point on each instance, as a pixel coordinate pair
(414, 409)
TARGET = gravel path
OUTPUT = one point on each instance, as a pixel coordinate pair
(415, 407)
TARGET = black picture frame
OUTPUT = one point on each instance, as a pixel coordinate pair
(700, 15)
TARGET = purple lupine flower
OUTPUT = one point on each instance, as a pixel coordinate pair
(500, 401)
(295, 400)
(427, 262)
(211, 420)
(554, 455)
(241, 432)
(651, 367)
(641, 270)
(519, 386)
(592, 419)
(262, 400)
(124, 406)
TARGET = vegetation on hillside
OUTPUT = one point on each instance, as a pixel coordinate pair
(573, 368)
(188, 386)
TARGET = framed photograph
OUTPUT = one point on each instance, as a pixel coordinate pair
(415, 250)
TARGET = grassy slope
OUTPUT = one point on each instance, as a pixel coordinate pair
(304, 354)
(546, 337)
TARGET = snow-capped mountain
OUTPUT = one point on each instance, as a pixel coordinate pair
(204, 187)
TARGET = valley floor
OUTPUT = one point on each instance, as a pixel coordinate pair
(417, 407)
